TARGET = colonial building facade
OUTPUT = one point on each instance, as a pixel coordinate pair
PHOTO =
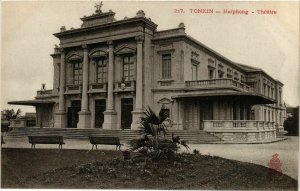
(108, 71)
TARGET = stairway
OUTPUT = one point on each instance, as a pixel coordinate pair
(192, 137)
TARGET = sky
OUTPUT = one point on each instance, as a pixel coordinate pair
(269, 41)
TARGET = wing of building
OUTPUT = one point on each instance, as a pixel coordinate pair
(108, 71)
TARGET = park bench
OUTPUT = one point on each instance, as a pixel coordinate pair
(2, 141)
(105, 141)
(33, 140)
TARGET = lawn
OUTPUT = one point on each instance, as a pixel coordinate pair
(50, 168)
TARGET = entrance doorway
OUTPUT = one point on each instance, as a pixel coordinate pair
(99, 109)
(126, 115)
(73, 116)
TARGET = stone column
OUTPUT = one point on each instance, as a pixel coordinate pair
(110, 116)
(138, 111)
(85, 114)
(61, 115)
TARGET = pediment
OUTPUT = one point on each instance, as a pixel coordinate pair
(125, 49)
(98, 52)
(165, 101)
(73, 56)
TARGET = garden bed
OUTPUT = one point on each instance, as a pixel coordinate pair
(49, 168)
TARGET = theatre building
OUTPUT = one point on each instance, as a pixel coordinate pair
(108, 71)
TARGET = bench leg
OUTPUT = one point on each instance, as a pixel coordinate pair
(96, 147)
(93, 147)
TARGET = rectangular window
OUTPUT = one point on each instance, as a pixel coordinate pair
(166, 66)
(194, 72)
(221, 74)
(279, 97)
(101, 71)
(211, 74)
(128, 68)
(77, 73)
(229, 73)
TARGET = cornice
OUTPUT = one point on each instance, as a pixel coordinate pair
(112, 24)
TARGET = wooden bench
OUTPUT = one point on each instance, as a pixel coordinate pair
(105, 141)
(2, 141)
(33, 140)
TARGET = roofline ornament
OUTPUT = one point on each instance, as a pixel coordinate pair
(98, 7)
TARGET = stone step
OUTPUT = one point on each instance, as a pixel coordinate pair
(124, 135)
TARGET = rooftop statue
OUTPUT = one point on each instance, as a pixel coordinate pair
(98, 7)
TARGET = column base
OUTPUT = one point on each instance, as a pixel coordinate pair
(136, 120)
(84, 121)
(110, 120)
(60, 119)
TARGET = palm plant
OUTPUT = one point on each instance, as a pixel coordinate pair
(153, 124)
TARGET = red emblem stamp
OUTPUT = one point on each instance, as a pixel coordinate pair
(275, 163)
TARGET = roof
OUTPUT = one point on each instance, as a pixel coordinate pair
(32, 102)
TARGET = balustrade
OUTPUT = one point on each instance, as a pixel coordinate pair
(238, 125)
(218, 83)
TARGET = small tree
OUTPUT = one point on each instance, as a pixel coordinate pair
(11, 114)
(291, 124)
(8, 114)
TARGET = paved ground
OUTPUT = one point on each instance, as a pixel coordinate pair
(255, 153)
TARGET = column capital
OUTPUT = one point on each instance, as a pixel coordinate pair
(110, 43)
(84, 46)
(62, 51)
(139, 39)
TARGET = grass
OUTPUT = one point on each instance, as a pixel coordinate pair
(50, 168)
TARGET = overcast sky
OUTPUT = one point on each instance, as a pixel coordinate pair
(270, 42)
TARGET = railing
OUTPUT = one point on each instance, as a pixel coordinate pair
(218, 83)
(45, 93)
(18, 123)
(238, 125)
